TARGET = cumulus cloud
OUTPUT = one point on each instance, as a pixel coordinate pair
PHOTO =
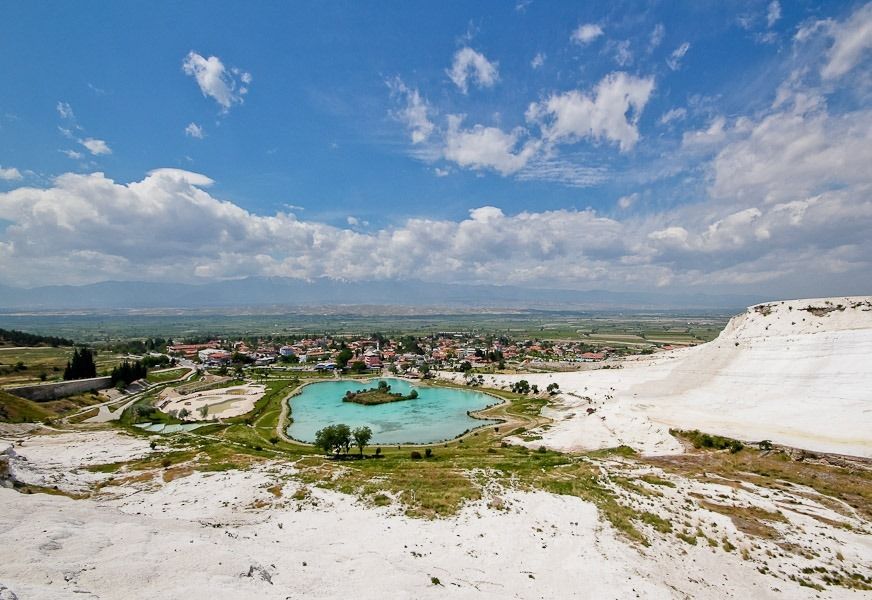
(83, 228)
(852, 40)
(674, 60)
(95, 146)
(470, 65)
(789, 155)
(226, 86)
(712, 135)
(611, 112)
(487, 147)
(195, 131)
(414, 112)
(586, 33)
(10, 174)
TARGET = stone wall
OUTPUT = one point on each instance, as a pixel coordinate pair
(44, 392)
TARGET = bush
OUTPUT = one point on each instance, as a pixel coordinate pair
(542, 450)
(166, 463)
(416, 455)
(274, 440)
(428, 452)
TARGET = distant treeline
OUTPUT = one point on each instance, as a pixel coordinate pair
(22, 338)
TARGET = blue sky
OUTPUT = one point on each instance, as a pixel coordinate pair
(646, 141)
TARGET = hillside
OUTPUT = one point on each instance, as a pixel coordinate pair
(19, 410)
(795, 372)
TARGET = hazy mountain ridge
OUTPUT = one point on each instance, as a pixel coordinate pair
(257, 291)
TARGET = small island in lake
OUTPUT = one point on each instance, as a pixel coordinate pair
(378, 395)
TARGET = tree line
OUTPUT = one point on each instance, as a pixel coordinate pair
(22, 338)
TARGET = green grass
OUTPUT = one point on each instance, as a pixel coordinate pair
(46, 361)
(19, 410)
(165, 376)
(707, 441)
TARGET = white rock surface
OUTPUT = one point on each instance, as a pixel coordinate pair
(776, 372)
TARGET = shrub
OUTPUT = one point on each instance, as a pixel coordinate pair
(274, 440)
(542, 450)
(378, 451)
(152, 444)
(428, 452)
(416, 455)
(166, 463)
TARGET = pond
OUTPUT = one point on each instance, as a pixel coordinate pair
(437, 414)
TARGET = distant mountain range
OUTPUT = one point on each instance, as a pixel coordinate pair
(261, 291)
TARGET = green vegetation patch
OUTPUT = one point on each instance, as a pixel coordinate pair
(378, 395)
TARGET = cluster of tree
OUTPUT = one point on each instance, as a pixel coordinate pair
(344, 356)
(552, 388)
(81, 365)
(157, 344)
(337, 439)
(408, 343)
(161, 360)
(521, 387)
(238, 358)
(22, 338)
(127, 372)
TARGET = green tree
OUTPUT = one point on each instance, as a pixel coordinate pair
(81, 365)
(334, 438)
(343, 357)
(361, 435)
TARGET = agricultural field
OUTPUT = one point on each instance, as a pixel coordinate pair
(22, 366)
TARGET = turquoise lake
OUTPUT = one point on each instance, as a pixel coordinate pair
(437, 413)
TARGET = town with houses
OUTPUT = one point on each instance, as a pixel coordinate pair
(407, 355)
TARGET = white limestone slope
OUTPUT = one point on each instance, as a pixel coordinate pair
(795, 372)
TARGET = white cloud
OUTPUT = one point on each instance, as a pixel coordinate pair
(195, 131)
(586, 33)
(167, 226)
(538, 60)
(10, 174)
(442, 172)
(673, 114)
(72, 154)
(414, 113)
(623, 54)
(674, 60)
(789, 155)
(657, 36)
(712, 135)
(612, 112)
(355, 222)
(226, 86)
(470, 65)
(852, 40)
(65, 110)
(95, 146)
(625, 202)
(487, 147)
(773, 13)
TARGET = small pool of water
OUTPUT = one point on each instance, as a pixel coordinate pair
(437, 413)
